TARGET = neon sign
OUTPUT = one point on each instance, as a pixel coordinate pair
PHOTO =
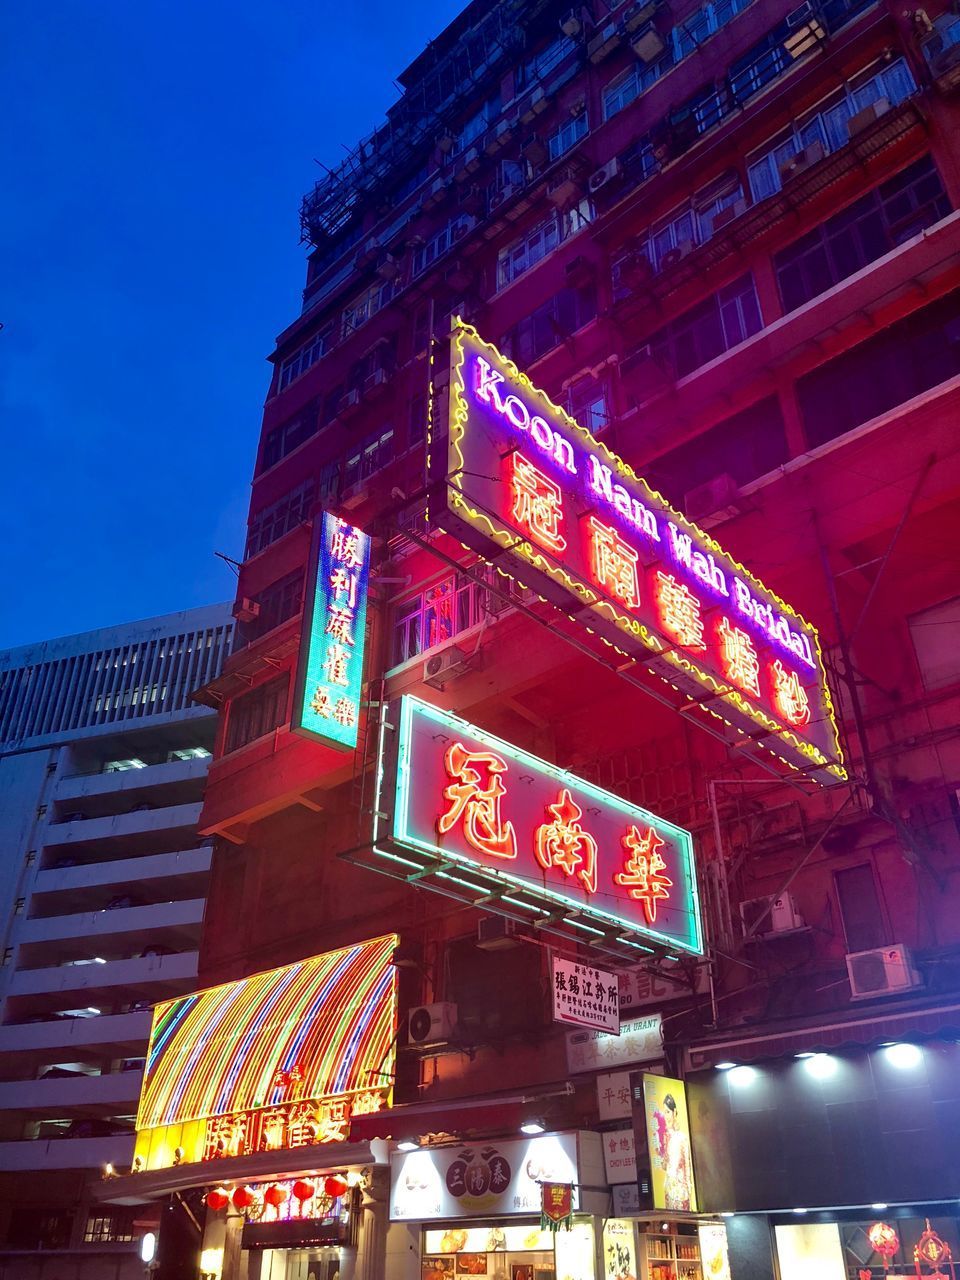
(468, 801)
(528, 485)
(330, 677)
(281, 1059)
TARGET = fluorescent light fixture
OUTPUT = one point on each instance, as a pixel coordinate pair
(727, 1214)
(99, 960)
(903, 1056)
(148, 1247)
(807, 1053)
(799, 1211)
(724, 1066)
(533, 1127)
(878, 1207)
(741, 1076)
(821, 1066)
(408, 1144)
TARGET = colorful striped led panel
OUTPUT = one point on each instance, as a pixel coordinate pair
(320, 1029)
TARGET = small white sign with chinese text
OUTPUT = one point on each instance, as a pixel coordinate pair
(585, 996)
(620, 1156)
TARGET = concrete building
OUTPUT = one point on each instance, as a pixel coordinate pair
(723, 237)
(103, 880)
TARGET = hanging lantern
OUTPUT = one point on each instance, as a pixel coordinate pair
(335, 1186)
(276, 1195)
(218, 1199)
(303, 1191)
(243, 1198)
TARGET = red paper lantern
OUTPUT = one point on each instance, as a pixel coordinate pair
(218, 1199)
(304, 1190)
(276, 1195)
(243, 1198)
(335, 1186)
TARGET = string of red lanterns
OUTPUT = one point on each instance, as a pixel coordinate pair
(275, 1195)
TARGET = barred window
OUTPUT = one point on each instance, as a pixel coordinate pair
(272, 522)
(256, 713)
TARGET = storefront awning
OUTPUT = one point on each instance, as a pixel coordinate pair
(861, 1029)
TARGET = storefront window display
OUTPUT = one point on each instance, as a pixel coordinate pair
(887, 1245)
(508, 1252)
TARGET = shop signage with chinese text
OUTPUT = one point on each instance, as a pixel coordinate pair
(480, 1179)
(620, 1156)
(640, 985)
(614, 1099)
(332, 640)
(640, 1040)
(468, 800)
(529, 486)
(585, 996)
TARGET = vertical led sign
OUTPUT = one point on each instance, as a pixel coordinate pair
(330, 672)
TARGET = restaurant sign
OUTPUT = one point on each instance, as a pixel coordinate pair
(553, 846)
(530, 489)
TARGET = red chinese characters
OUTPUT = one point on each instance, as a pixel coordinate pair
(563, 843)
(738, 656)
(643, 874)
(614, 564)
(789, 695)
(679, 611)
(537, 504)
(475, 801)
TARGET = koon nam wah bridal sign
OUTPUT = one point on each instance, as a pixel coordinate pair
(532, 490)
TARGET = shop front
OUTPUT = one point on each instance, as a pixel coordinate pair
(868, 1244)
(477, 1209)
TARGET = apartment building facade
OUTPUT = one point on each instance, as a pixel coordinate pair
(102, 768)
(723, 240)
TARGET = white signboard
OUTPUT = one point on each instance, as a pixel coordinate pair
(620, 1156)
(585, 996)
(640, 1040)
(639, 987)
(626, 1198)
(480, 1179)
(619, 1250)
(614, 1100)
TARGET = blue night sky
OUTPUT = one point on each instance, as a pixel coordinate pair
(153, 158)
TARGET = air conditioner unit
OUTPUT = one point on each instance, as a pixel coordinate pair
(355, 496)
(781, 917)
(603, 43)
(349, 400)
(810, 155)
(882, 972)
(388, 267)
(565, 186)
(534, 149)
(245, 609)
(501, 195)
(497, 933)
(375, 380)
(868, 116)
(648, 44)
(571, 24)
(432, 1023)
(718, 499)
(639, 15)
(448, 664)
(677, 254)
(600, 177)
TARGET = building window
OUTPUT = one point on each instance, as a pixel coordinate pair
(627, 88)
(438, 244)
(115, 1227)
(860, 912)
(7, 956)
(256, 713)
(372, 300)
(19, 906)
(861, 233)
(542, 63)
(548, 325)
(934, 634)
(587, 404)
(710, 328)
(434, 616)
(827, 127)
(476, 126)
(526, 252)
(306, 356)
(290, 435)
(278, 602)
(874, 377)
(279, 518)
(370, 456)
(567, 136)
(747, 445)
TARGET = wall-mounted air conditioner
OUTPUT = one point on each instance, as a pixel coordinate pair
(245, 609)
(718, 499)
(604, 175)
(884, 971)
(497, 933)
(446, 665)
(761, 919)
(804, 158)
(432, 1023)
(868, 116)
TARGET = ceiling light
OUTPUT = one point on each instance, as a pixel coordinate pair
(903, 1056)
(408, 1144)
(741, 1076)
(879, 1208)
(799, 1211)
(533, 1127)
(807, 1053)
(821, 1066)
(724, 1066)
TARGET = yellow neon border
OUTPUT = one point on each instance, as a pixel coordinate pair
(459, 411)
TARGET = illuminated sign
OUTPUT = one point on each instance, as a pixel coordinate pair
(664, 1118)
(530, 489)
(330, 675)
(464, 799)
(281, 1059)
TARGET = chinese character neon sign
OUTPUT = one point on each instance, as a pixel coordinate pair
(468, 799)
(567, 517)
(330, 676)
